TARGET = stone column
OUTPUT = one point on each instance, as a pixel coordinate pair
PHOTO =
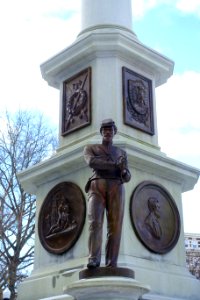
(106, 13)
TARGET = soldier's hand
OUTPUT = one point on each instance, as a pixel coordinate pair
(121, 162)
(124, 172)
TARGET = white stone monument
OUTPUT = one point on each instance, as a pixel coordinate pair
(114, 76)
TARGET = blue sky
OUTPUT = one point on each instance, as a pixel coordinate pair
(172, 27)
(32, 31)
(172, 32)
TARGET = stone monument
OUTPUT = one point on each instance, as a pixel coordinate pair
(107, 73)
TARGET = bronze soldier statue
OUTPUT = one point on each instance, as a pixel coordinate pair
(106, 193)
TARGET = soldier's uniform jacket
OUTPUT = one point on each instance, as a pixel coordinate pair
(103, 160)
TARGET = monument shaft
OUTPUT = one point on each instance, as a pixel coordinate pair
(98, 13)
(107, 73)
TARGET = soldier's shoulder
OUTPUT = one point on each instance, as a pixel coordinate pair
(91, 146)
(120, 150)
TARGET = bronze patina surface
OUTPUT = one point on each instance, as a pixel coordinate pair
(138, 102)
(105, 195)
(76, 107)
(61, 217)
(105, 272)
(155, 217)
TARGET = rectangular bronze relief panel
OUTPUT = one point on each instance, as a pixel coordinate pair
(138, 103)
(76, 107)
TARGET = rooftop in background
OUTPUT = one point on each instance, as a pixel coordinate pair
(192, 241)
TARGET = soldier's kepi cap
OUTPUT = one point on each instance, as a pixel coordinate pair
(108, 123)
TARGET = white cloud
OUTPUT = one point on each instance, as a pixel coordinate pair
(192, 6)
(141, 7)
(178, 109)
(31, 32)
(191, 207)
(13, 10)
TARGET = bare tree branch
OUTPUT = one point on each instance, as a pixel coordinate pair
(25, 140)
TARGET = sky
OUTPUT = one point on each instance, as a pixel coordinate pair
(32, 31)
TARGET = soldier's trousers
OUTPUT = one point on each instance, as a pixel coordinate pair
(105, 196)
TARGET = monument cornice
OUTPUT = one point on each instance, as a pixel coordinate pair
(107, 42)
(142, 157)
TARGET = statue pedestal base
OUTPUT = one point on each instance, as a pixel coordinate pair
(106, 271)
(104, 288)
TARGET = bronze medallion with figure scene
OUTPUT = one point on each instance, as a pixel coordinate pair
(61, 217)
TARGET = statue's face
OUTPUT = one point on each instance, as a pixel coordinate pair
(154, 206)
(107, 133)
(157, 208)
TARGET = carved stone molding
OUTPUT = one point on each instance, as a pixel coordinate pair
(155, 217)
(61, 217)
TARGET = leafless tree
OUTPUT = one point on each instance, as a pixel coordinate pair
(25, 140)
(193, 262)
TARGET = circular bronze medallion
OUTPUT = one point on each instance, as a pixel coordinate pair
(155, 217)
(61, 217)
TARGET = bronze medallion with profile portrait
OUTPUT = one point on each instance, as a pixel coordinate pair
(61, 217)
(155, 217)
